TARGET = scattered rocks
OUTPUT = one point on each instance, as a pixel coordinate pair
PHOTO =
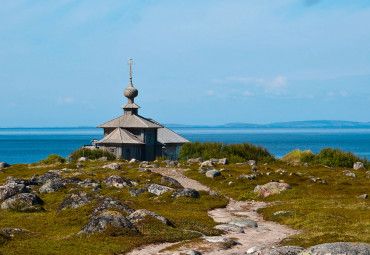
(133, 160)
(108, 204)
(23, 202)
(185, 192)
(158, 189)
(26, 182)
(51, 185)
(306, 164)
(171, 163)
(76, 200)
(170, 182)
(194, 160)
(284, 250)
(99, 223)
(254, 169)
(207, 163)
(272, 188)
(113, 166)
(137, 192)
(13, 231)
(103, 159)
(4, 165)
(117, 181)
(219, 239)
(11, 189)
(201, 171)
(141, 214)
(223, 161)
(89, 183)
(51, 175)
(243, 222)
(212, 173)
(358, 165)
(314, 179)
(247, 176)
(144, 164)
(281, 171)
(364, 196)
(79, 165)
(142, 170)
(338, 248)
(187, 252)
(230, 228)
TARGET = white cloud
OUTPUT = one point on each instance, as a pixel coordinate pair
(330, 94)
(276, 86)
(210, 92)
(247, 93)
(66, 100)
(343, 93)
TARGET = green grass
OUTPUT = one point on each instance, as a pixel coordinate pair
(324, 212)
(53, 232)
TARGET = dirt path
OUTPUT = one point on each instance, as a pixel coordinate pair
(267, 234)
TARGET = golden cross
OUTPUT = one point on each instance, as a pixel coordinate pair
(130, 63)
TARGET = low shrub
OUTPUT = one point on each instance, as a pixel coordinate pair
(334, 157)
(52, 159)
(91, 154)
(233, 152)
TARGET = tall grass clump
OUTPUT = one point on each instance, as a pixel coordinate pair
(52, 159)
(91, 154)
(334, 157)
(233, 152)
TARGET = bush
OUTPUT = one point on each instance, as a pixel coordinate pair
(233, 152)
(52, 159)
(334, 157)
(91, 154)
(296, 156)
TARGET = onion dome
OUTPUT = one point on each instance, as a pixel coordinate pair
(130, 91)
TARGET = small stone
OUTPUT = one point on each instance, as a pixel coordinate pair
(230, 228)
(358, 165)
(113, 166)
(170, 182)
(283, 212)
(187, 252)
(364, 196)
(4, 165)
(82, 159)
(51, 185)
(158, 189)
(243, 222)
(23, 202)
(252, 162)
(254, 249)
(117, 181)
(141, 214)
(306, 164)
(103, 158)
(137, 192)
(133, 161)
(212, 173)
(185, 192)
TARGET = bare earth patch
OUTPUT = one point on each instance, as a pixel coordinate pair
(267, 234)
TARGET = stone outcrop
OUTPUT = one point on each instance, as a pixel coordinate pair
(52, 185)
(185, 192)
(141, 214)
(272, 188)
(11, 189)
(76, 200)
(23, 202)
(109, 204)
(358, 165)
(170, 182)
(99, 223)
(158, 189)
(338, 248)
(117, 181)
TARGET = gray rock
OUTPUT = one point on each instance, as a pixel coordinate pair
(349, 173)
(13, 231)
(212, 173)
(254, 169)
(247, 176)
(23, 202)
(283, 212)
(113, 166)
(51, 175)
(170, 182)
(133, 161)
(243, 222)
(213, 193)
(137, 192)
(99, 223)
(201, 171)
(158, 189)
(79, 165)
(82, 159)
(117, 181)
(358, 165)
(252, 162)
(103, 158)
(338, 248)
(272, 188)
(223, 161)
(364, 196)
(284, 250)
(27, 182)
(11, 189)
(89, 183)
(76, 200)
(230, 228)
(219, 239)
(109, 204)
(254, 249)
(306, 164)
(185, 192)
(144, 164)
(188, 252)
(154, 166)
(4, 165)
(257, 188)
(207, 163)
(171, 163)
(281, 171)
(141, 214)
(142, 170)
(71, 180)
(194, 160)
(51, 186)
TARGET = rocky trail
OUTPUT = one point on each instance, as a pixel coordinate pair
(244, 216)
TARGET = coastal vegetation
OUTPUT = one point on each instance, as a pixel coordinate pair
(233, 152)
(52, 159)
(91, 154)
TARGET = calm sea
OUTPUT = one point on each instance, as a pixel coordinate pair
(27, 145)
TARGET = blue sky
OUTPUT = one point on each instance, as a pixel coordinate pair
(63, 63)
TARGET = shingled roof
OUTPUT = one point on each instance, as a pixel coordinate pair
(120, 136)
(130, 121)
(166, 135)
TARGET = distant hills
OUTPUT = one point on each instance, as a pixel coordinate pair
(292, 124)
